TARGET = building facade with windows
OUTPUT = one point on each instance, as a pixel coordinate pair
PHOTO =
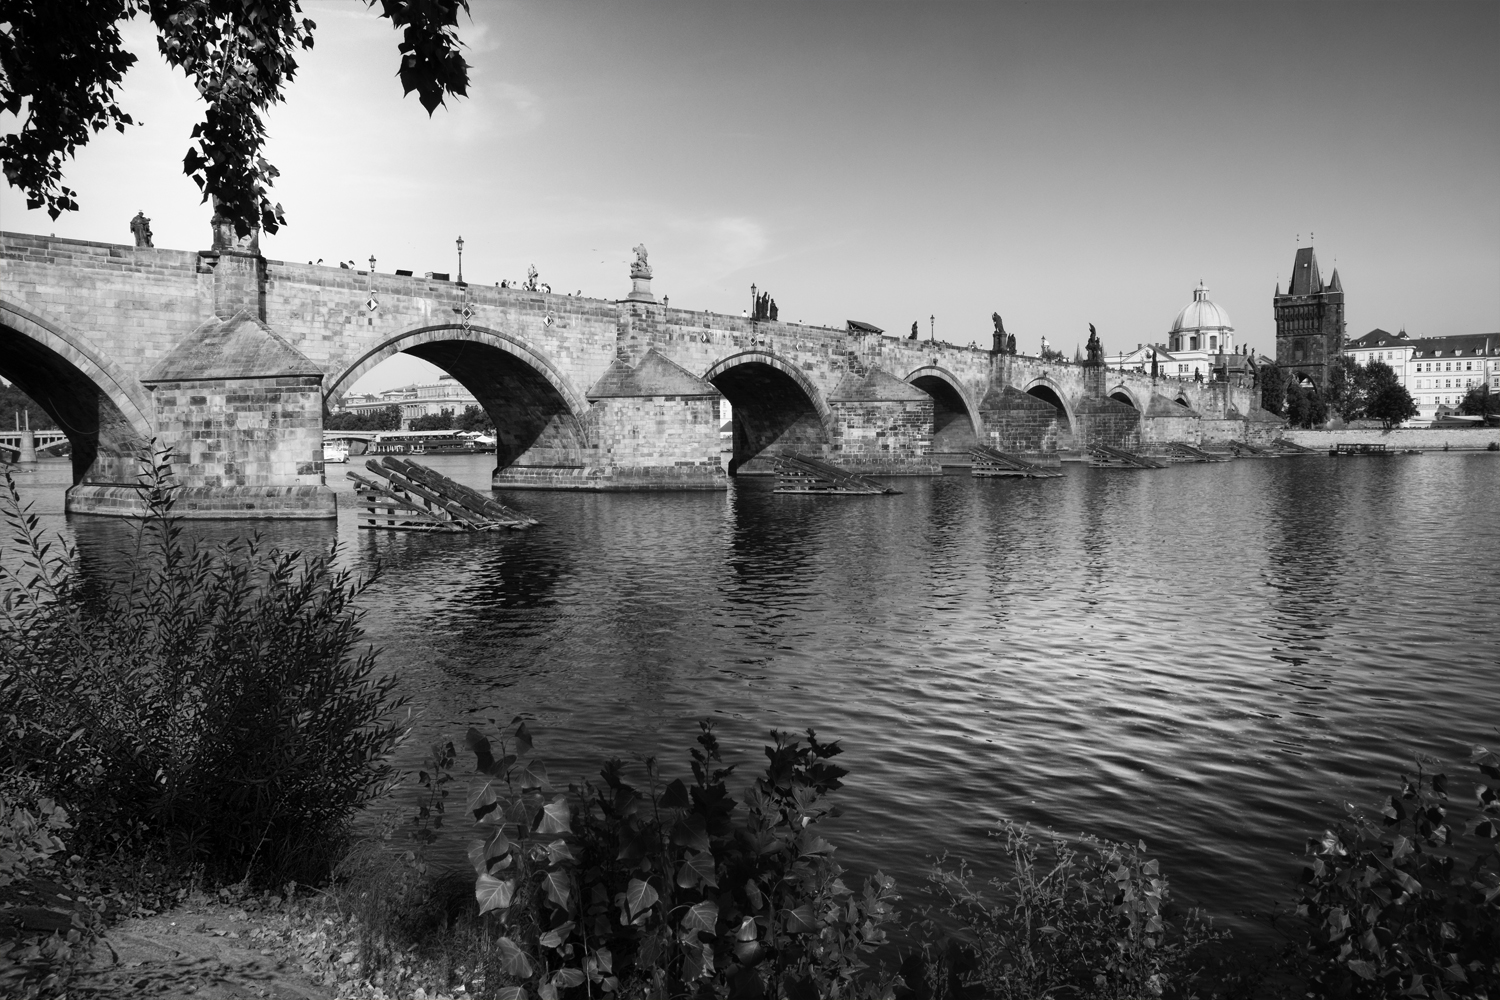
(1441, 370)
(1394, 349)
(416, 400)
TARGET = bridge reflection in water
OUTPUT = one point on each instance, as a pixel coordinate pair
(1209, 657)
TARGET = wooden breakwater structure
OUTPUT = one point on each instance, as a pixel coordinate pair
(405, 496)
(993, 462)
(800, 474)
(1178, 451)
(1104, 457)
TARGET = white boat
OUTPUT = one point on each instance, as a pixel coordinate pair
(335, 451)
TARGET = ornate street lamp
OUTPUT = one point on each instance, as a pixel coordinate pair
(460, 260)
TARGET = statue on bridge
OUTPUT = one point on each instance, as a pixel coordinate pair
(1154, 369)
(140, 228)
(1095, 348)
(913, 334)
(999, 344)
(640, 269)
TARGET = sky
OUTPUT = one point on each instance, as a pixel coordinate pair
(1061, 164)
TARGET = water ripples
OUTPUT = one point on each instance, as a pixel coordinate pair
(1210, 658)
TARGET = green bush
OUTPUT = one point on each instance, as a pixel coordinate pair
(1087, 921)
(1407, 904)
(668, 890)
(211, 704)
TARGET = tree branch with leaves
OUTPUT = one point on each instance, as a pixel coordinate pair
(62, 64)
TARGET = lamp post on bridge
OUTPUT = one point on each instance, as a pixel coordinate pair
(460, 260)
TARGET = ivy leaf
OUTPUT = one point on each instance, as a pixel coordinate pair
(559, 888)
(1362, 968)
(801, 920)
(534, 775)
(480, 745)
(513, 960)
(512, 993)
(523, 740)
(690, 832)
(568, 978)
(493, 893)
(556, 937)
(482, 797)
(637, 898)
(702, 916)
(698, 962)
(555, 816)
(482, 853)
(675, 796)
(696, 870)
(558, 851)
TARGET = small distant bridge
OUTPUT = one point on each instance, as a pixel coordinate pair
(13, 443)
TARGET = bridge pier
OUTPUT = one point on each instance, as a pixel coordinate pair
(650, 426)
(239, 408)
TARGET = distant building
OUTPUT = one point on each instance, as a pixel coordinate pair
(416, 400)
(1442, 370)
(1309, 321)
(1200, 346)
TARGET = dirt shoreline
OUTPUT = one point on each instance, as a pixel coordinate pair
(224, 949)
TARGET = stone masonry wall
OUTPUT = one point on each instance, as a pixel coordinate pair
(884, 437)
(243, 432)
(1401, 438)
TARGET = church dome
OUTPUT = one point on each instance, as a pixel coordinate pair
(1201, 314)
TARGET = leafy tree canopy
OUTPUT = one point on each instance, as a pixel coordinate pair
(1382, 396)
(62, 62)
(442, 421)
(474, 419)
(1480, 402)
(387, 418)
(1305, 406)
(1346, 389)
(1272, 388)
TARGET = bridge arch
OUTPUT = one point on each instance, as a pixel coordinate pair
(105, 413)
(536, 409)
(1127, 394)
(956, 423)
(777, 409)
(1048, 391)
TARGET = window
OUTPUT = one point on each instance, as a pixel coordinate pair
(1468, 366)
(1194, 343)
(1213, 343)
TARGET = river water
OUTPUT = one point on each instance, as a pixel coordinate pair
(1212, 658)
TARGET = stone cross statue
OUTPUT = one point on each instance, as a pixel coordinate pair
(640, 269)
(140, 227)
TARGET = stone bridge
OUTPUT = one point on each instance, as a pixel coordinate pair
(232, 360)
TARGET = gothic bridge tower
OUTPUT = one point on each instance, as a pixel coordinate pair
(1309, 321)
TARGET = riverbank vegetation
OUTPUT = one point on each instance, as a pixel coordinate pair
(208, 724)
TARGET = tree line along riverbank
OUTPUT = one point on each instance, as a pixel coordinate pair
(193, 739)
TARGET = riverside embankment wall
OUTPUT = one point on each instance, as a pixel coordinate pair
(1402, 438)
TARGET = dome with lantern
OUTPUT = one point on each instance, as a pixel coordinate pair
(1203, 325)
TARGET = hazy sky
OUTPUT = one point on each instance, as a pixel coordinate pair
(1063, 164)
